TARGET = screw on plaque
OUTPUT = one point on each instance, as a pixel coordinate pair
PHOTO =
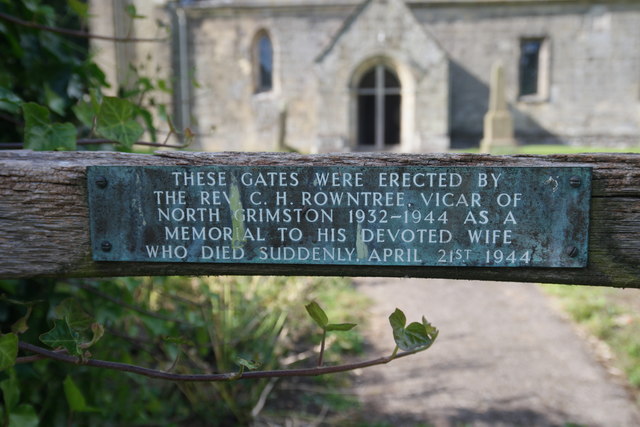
(572, 251)
(102, 182)
(106, 246)
(575, 181)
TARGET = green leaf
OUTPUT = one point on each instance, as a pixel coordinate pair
(98, 331)
(80, 8)
(247, 364)
(75, 398)
(317, 314)
(10, 391)
(87, 109)
(413, 337)
(21, 326)
(55, 102)
(340, 327)
(24, 416)
(116, 121)
(40, 134)
(85, 112)
(8, 350)
(62, 336)
(178, 341)
(147, 117)
(133, 12)
(9, 101)
(31, 5)
(397, 319)
(431, 330)
(76, 317)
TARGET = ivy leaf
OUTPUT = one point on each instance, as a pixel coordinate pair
(148, 120)
(415, 336)
(340, 327)
(9, 101)
(42, 135)
(87, 109)
(80, 8)
(85, 112)
(397, 319)
(116, 121)
(8, 350)
(98, 331)
(55, 102)
(21, 326)
(412, 337)
(431, 330)
(76, 317)
(247, 364)
(75, 398)
(62, 336)
(317, 314)
(188, 136)
(24, 416)
(133, 12)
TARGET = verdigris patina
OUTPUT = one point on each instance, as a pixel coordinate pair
(397, 215)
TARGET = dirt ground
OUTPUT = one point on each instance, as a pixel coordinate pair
(504, 357)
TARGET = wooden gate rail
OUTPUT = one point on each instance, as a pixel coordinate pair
(44, 224)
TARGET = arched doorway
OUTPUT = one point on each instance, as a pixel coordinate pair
(378, 108)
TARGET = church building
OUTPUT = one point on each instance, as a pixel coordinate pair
(400, 75)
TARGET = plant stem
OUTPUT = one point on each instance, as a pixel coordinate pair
(324, 337)
(74, 33)
(395, 352)
(169, 376)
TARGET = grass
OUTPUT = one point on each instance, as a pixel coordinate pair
(301, 400)
(611, 315)
(565, 149)
(542, 149)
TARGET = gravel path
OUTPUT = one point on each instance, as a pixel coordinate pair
(504, 357)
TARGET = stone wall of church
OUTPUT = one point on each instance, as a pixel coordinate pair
(593, 92)
(385, 33)
(317, 53)
(594, 67)
(230, 114)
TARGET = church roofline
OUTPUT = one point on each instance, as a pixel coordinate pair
(506, 2)
(343, 28)
(260, 4)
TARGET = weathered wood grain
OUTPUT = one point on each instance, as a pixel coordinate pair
(44, 226)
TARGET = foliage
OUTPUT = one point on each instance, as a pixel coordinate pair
(183, 326)
(175, 324)
(41, 134)
(8, 350)
(611, 315)
(38, 66)
(413, 337)
(51, 91)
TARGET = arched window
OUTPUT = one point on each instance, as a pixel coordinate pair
(262, 62)
(378, 104)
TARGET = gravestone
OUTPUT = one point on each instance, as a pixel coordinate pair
(498, 124)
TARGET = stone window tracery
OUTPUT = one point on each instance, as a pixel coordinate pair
(378, 108)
